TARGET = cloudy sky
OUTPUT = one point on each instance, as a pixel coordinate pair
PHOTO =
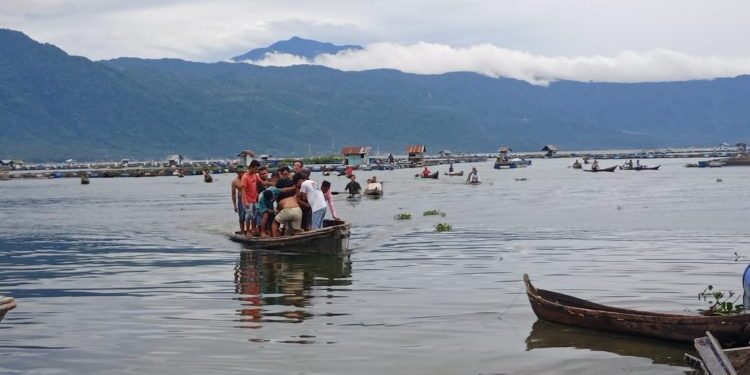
(535, 40)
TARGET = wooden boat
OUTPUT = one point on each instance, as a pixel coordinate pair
(374, 189)
(6, 304)
(85, 180)
(564, 309)
(333, 238)
(433, 175)
(454, 173)
(626, 167)
(610, 169)
(714, 360)
(577, 165)
(207, 178)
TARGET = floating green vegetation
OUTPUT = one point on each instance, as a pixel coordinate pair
(433, 213)
(403, 216)
(443, 227)
(720, 303)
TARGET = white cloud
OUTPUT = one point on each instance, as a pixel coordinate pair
(430, 58)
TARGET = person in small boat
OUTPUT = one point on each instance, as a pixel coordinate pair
(237, 193)
(263, 179)
(426, 172)
(353, 186)
(595, 166)
(310, 190)
(348, 171)
(576, 164)
(450, 169)
(473, 176)
(638, 162)
(630, 163)
(289, 214)
(391, 160)
(250, 196)
(325, 187)
(372, 180)
(284, 180)
(266, 212)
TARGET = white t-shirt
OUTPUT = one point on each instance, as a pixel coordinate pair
(314, 196)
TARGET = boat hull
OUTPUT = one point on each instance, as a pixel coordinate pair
(332, 239)
(564, 309)
(434, 175)
(454, 173)
(610, 169)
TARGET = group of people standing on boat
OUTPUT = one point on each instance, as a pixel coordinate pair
(287, 199)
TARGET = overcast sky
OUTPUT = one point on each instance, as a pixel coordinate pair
(572, 39)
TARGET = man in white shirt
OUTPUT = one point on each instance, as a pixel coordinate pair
(315, 199)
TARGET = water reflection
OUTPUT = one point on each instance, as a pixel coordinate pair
(550, 335)
(274, 287)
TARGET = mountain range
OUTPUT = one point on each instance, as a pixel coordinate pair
(296, 46)
(54, 106)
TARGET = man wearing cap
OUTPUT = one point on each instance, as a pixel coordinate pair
(237, 192)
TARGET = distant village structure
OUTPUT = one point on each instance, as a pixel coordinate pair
(175, 160)
(550, 151)
(356, 155)
(415, 154)
(246, 156)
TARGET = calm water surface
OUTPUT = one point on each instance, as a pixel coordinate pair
(136, 276)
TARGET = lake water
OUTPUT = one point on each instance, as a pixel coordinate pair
(137, 276)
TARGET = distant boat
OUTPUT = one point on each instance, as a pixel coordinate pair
(434, 175)
(207, 177)
(373, 189)
(628, 167)
(85, 180)
(501, 163)
(610, 169)
(461, 173)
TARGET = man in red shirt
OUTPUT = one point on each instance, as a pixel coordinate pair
(250, 196)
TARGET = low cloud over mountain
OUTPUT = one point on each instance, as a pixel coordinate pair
(429, 58)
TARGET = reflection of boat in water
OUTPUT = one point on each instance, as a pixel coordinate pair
(276, 287)
(333, 238)
(545, 335)
(6, 304)
(565, 309)
(714, 360)
(373, 189)
(610, 169)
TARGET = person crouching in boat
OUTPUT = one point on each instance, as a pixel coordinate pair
(266, 212)
(348, 171)
(473, 177)
(288, 213)
(426, 172)
(595, 166)
(325, 187)
(353, 187)
(311, 193)
(237, 193)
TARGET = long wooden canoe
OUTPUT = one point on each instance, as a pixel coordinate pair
(6, 304)
(433, 175)
(333, 238)
(610, 169)
(565, 309)
(639, 168)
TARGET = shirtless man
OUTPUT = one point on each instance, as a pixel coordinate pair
(237, 193)
(289, 214)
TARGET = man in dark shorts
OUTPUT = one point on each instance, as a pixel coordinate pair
(237, 193)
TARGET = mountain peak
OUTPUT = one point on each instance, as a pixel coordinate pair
(298, 46)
